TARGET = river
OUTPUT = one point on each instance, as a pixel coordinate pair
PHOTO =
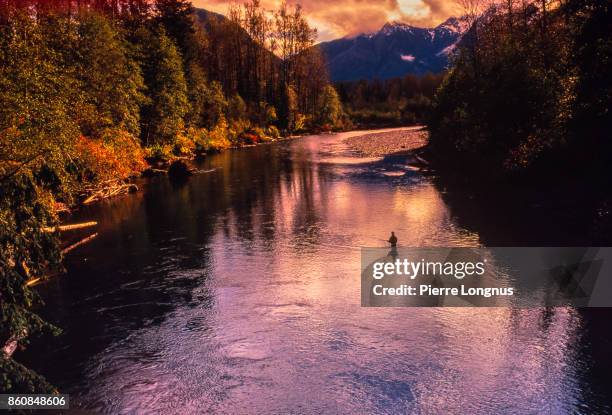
(238, 292)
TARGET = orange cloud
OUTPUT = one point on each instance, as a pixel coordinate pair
(339, 18)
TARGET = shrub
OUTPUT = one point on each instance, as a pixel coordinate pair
(237, 128)
(250, 138)
(300, 122)
(376, 117)
(185, 145)
(273, 132)
(117, 155)
(218, 137)
(159, 152)
(260, 133)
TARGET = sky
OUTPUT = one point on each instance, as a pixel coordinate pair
(339, 18)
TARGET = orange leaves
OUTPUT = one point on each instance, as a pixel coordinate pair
(117, 155)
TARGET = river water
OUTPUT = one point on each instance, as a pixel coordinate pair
(238, 292)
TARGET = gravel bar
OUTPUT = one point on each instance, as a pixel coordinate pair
(389, 142)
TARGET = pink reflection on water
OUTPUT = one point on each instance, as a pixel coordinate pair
(286, 333)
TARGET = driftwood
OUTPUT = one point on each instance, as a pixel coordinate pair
(110, 191)
(151, 172)
(33, 281)
(75, 226)
(203, 171)
(79, 243)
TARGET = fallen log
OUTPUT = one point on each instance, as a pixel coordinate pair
(79, 243)
(111, 191)
(195, 171)
(151, 172)
(33, 281)
(72, 227)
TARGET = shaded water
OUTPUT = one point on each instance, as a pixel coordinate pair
(238, 292)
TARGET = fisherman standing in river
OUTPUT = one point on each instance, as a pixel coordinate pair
(393, 240)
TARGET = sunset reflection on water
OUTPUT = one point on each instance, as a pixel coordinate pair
(239, 293)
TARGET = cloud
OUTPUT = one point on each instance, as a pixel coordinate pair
(339, 18)
(431, 12)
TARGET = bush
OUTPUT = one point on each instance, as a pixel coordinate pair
(117, 155)
(260, 134)
(218, 137)
(159, 152)
(249, 138)
(254, 135)
(237, 128)
(299, 123)
(272, 132)
(185, 145)
(376, 117)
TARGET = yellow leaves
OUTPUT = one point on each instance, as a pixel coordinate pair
(218, 136)
(184, 145)
(159, 152)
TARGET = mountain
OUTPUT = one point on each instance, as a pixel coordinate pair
(395, 50)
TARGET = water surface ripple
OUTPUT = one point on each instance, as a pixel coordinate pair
(238, 292)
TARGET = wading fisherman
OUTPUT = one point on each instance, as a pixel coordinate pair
(393, 240)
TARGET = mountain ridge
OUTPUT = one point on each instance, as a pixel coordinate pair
(394, 50)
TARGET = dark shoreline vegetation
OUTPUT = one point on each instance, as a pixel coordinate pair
(524, 113)
(392, 102)
(94, 92)
(528, 97)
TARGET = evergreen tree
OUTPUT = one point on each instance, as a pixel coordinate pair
(163, 118)
(176, 17)
(111, 79)
(198, 95)
(216, 105)
(237, 108)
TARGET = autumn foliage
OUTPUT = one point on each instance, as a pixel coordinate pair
(116, 156)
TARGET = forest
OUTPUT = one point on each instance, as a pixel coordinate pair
(391, 102)
(529, 93)
(93, 90)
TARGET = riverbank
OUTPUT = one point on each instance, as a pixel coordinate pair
(389, 142)
(376, 144)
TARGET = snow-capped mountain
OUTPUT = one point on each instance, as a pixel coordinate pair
(395, 50)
